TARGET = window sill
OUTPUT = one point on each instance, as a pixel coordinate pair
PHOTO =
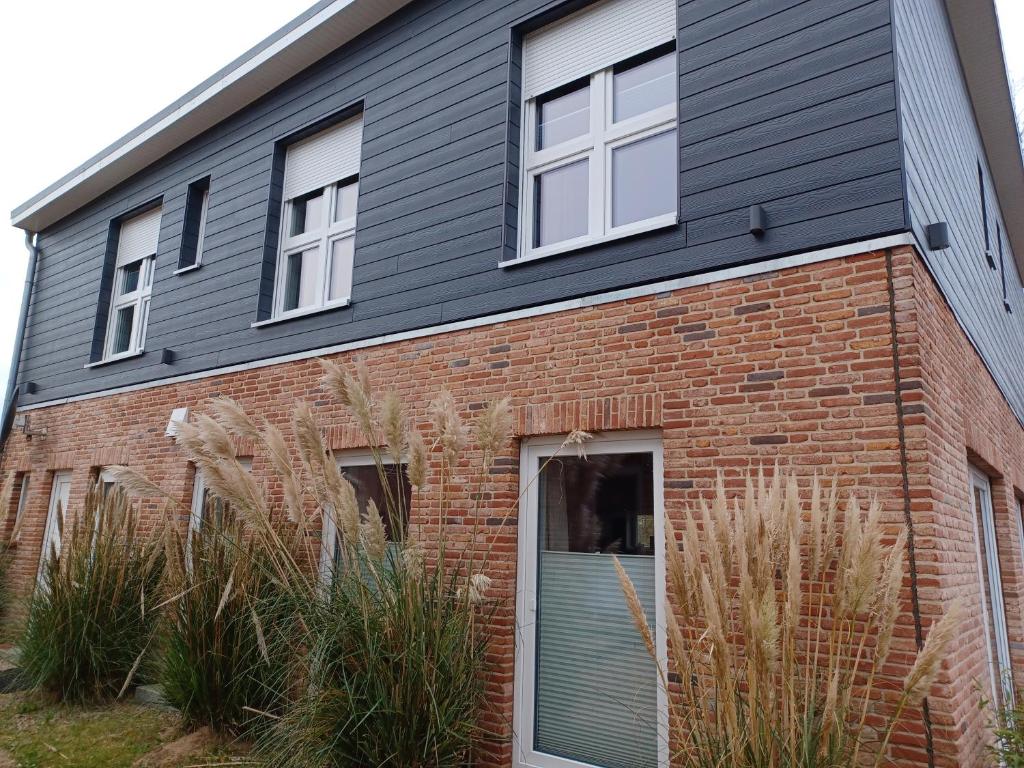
(295, 315)
(662, 222)
(115, 359)
(185, 270)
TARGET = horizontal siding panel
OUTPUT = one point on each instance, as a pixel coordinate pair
(766, 116)
(942, 152)
(825, 88)
(852, 18)
(712, 49)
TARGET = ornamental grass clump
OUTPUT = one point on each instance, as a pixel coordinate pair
(781, 619)
(93, 614)
(215, 664)
(386, 629)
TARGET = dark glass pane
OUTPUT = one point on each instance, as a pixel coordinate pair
(123, 322)
(562, 203)
(306, 213)
(300, 279)
(601, 504)
(367, 483)
(644, 87)
(130, 277)
(563, 117)
(644, 179)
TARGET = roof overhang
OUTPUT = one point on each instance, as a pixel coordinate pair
(976, 30)
(323, 28)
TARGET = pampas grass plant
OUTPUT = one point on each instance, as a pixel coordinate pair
(92, 617)
(215, 665)
(388, 654)
(781, 621)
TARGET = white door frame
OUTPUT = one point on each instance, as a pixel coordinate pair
(1001, 665)
(60, 490)
(524, 756)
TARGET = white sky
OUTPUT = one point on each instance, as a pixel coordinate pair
(68, 64)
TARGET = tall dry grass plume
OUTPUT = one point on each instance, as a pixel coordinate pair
(781, 620)
(386, 632)
(93, 616)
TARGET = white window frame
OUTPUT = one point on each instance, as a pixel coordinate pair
(19, 513)
(198, 507)
(330, 231)
(139, 298)
(106, 478)
(1000, 668)
(60, 490)
(531, 450)
(596, 147)
(204, 208)
(329, 526)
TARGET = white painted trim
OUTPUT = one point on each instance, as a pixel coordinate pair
(359, 14)
(115, 359)
(304, 312)
(189, 268)
(646, 441)
(989, 570)
(707, 278)
(60, 490)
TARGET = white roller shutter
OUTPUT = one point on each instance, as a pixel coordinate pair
(323, 158)
(138, 237)
(592, 39)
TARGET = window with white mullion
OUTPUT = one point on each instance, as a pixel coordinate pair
(129, 307)
(132, 284)
(315, 269)
(600, 156)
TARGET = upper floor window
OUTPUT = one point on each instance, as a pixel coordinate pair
(133, 284)
(600, 147)
(197, 203)
(318, 222)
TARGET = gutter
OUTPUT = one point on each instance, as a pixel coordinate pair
(11, 396)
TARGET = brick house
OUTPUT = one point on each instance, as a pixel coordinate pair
(813, 257)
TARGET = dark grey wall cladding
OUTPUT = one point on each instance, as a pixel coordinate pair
(943, 150)
(788, 104)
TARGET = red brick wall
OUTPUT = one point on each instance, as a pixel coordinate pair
(794, 367)
(956, 416)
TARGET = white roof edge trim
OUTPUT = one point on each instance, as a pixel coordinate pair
(244, 68)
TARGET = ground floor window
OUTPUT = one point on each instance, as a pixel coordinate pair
(207, 507)
(588, 691)
(990, 577)
(387, 485)
(60, 496)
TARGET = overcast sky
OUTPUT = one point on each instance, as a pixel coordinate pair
(81, 74)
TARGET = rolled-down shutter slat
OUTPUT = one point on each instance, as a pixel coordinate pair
(593, 39)
(138, 237)
(323, 158)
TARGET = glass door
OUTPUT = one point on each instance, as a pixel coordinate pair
(588, 691)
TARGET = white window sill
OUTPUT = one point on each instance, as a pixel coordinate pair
(115, 359)
(295, 314)
(189, 268)
(535, 254)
